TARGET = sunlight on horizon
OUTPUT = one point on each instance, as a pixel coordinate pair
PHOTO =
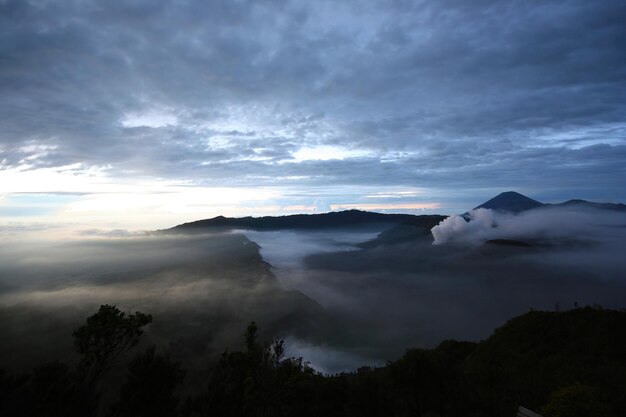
(74, 197)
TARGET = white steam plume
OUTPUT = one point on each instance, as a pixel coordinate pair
(457, 229)
(538, 224)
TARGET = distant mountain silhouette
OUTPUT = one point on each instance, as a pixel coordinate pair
(510, 201)
(338, 219)
(408, 226)
(590, 204)
(513, 202)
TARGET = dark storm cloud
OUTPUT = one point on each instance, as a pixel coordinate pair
(452, 93)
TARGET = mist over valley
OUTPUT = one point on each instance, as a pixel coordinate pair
(352, 293)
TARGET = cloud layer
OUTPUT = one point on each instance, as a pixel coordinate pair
(447, 96)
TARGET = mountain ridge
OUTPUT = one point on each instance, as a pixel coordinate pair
(514, 202)
(345, 218)
(508, 201)
(589, 204)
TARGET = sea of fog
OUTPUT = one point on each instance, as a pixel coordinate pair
(451, 285)
(336, 304)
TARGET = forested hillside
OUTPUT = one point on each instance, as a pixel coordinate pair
(561, 364)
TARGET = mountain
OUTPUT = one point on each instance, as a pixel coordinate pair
(515, 202)
(338, 219)
(417, 228)
(408, 226)
(590, 204)
(511, 201)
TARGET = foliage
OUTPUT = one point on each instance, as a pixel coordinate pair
(150, 386)
(561, 363)
(257, 382)
(533, 355)
(576, 400)
(105, 338)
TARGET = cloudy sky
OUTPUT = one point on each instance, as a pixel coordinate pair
(147, 113)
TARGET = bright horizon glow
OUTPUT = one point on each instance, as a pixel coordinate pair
(386, 207)
(75, 197)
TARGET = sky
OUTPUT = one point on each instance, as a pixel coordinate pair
(146, 113)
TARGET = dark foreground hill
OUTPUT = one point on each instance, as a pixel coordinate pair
(558, 363)
(548, 360)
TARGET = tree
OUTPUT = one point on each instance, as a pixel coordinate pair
(576, 400)
(105, 338)
(149, 389)
(56, 392)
